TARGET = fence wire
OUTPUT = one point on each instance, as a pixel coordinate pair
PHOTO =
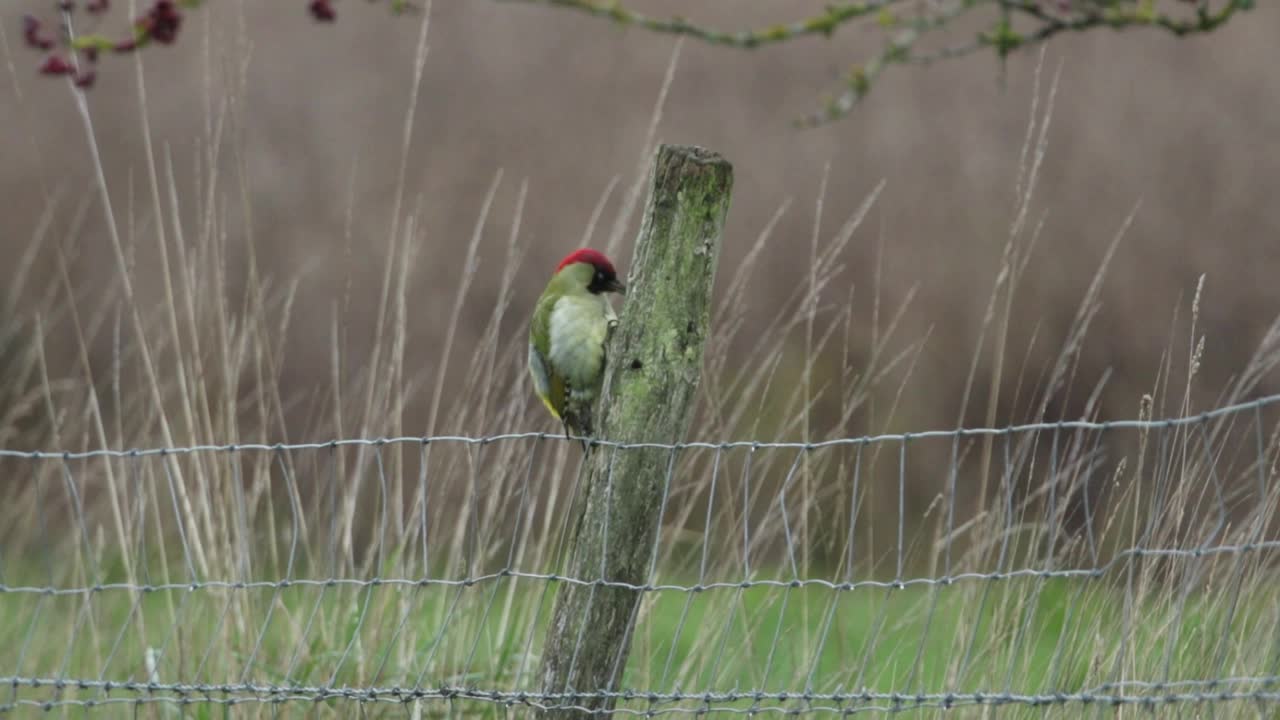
(1051, 569)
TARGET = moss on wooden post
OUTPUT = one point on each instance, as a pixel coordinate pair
(655, 361)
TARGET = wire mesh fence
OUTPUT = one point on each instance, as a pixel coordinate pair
(1055, 569)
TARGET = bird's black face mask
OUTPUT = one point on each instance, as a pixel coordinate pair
(604, 281)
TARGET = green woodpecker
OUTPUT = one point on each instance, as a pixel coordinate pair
(571, 325)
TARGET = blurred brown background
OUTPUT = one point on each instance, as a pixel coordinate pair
(1186, 130)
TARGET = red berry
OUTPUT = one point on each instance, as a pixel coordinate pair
(56, 65)
(32, 36)
(161, 23)
(322, 10)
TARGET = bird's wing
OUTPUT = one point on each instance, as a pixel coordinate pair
(549, 386)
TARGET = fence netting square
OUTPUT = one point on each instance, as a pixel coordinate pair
(1060, 569)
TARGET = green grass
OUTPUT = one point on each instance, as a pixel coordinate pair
(1022, 635)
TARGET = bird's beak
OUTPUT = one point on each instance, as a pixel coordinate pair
(616, 286)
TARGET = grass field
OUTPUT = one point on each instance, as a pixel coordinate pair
(1021, 636)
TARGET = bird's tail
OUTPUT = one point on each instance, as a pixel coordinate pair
(578, 423)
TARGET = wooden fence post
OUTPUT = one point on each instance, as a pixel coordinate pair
(655, 361)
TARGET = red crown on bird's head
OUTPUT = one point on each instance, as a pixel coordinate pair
(589, 256)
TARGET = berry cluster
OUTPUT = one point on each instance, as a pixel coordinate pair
(76, 55)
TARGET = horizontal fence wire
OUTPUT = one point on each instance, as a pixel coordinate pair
(1149, 695)
(1073, 567)
(1232, 409)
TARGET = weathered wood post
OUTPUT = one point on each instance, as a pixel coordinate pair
(655, 361)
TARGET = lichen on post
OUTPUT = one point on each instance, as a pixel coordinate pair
(655, 362)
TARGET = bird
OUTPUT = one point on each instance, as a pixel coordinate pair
(571, 325)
